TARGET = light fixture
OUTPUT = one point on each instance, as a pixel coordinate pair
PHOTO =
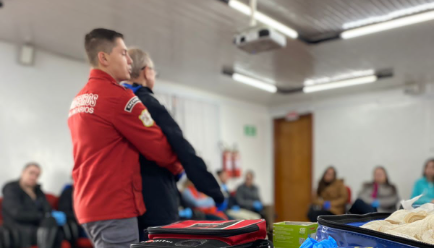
(254, 82)
(389, 16)
(344, 76)
(387, 25)
(340, 84)
(243, 8)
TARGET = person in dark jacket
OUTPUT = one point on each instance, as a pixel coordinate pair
(160, 193)
(26, 210)
(247, 195)
(234, 211)
(66, 205)
(377, 196)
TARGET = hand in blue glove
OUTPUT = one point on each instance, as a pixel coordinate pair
(186, 213)
(257, 205)
(60, 217)
(179, 176)
(375, 204)
(222, 206)
(235, 208)
(327, 205)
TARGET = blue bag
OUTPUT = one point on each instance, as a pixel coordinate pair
(346, 230)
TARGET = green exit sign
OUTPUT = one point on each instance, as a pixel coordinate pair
(250, 130)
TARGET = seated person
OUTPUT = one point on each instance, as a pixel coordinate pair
(425, 185)
(199, 201)
(234, 210)
(66, 206)
(377, 196)
(26, 210)
(247, 195)
(331, 196)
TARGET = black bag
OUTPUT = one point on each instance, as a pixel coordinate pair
(209, 234)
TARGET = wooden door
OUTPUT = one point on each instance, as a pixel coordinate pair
(293, 167)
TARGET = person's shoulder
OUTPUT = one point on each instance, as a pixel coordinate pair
(421, 181)
(339, 182)
(367, 185)
(241, 187)
(146, 96)
(11, 186)
(119, 95)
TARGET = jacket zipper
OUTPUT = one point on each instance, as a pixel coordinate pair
(214, 232)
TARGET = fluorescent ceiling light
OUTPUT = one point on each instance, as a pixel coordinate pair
(396, 23)
(340, 84)
(340, 77)
(389, 16)
(254, 82)
(241, 7)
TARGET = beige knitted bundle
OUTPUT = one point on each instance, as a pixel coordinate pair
(416, 224)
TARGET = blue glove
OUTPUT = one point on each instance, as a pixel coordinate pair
(235, 208)
(186, 213)
(327, 205)
(60, 217)
(375, 204)
(328, 243)
(309, 243)
(222, 206)
(257, 205)
(179, 176)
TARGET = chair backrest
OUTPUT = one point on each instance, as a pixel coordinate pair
(53, 200)
(349, 194)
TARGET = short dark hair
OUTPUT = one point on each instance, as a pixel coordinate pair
(28, 165)
(219, 172)
(100, 40)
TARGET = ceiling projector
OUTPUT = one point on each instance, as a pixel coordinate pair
(259, 39)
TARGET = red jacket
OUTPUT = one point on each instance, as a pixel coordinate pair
(109, 128)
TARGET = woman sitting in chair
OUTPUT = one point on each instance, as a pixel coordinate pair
(377, 196)
(27, 211)
(331, 196)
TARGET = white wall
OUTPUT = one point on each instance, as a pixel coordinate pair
(34, 102)
(357, 132)
(256, 152)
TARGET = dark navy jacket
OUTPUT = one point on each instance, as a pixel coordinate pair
(160, 193)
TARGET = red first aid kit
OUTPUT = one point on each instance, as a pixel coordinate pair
(239, 234)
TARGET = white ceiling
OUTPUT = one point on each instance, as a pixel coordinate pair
(191, 40)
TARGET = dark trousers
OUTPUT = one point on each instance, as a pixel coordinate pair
(47, 234)
(313, 214)
(361, 207)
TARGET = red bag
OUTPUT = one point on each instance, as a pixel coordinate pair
(244, 233)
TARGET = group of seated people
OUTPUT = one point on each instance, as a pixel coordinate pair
(245, 204)
(378, 195)
(26, 209)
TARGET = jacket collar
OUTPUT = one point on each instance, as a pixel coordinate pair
(99, 74)
(148, 90)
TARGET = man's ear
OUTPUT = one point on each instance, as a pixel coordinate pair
(103, 58)
(144, 74)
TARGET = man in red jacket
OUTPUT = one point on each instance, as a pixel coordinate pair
(109, 128)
